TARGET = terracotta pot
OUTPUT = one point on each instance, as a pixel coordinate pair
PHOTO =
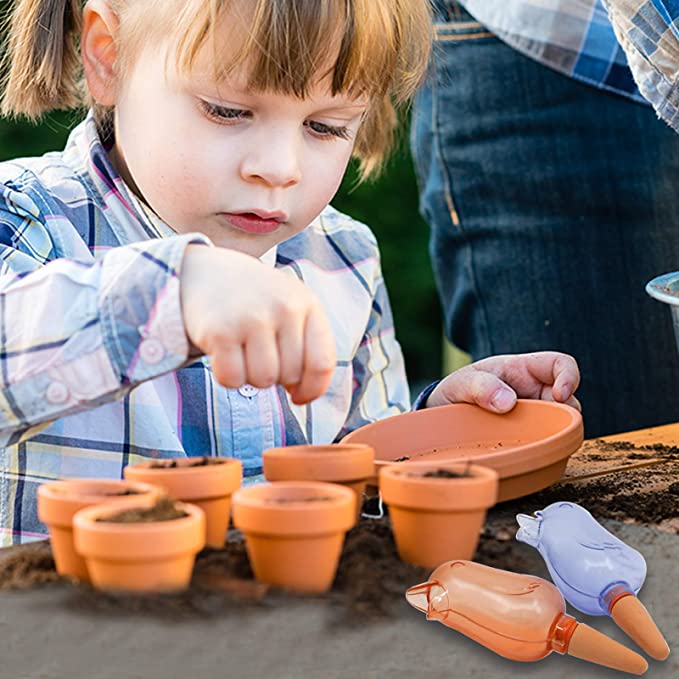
(294, 531)
(529, 447)
(139, 557)
(346, 464)
(208, 486)
(58, 501)
(437, 519)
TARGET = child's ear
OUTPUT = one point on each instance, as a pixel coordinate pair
(98, 50)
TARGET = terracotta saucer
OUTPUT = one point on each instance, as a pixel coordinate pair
(528, 447)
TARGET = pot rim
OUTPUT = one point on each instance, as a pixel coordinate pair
(67, 488)
(251, 495)
(334, 462)
(135, 542)
(320, 450)
(253, 514)
(59, 500)
(400, 488)
(478, 473)
(89, 515)
(544, 451)
(189, 483)
(184, 464)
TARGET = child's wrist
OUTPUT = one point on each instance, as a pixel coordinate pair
(422, 401)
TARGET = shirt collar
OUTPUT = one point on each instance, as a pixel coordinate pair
(269, 257)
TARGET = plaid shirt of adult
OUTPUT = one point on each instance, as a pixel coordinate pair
(574, 37)
(648, 30)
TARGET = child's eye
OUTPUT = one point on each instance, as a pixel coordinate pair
(322, 130)
(222, 114)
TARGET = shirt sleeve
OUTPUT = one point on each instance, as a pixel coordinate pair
(380, 383)
(648, 31)
(77, 333)
(421, 401)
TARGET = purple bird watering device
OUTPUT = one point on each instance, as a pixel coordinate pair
(596, 572)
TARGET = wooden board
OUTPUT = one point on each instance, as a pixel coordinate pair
(599, 457)
(632, 477)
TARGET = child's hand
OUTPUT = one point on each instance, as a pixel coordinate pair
(258, 325)
(494, 383)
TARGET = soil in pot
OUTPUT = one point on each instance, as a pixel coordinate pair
(205, 481)
(443, 474)
(197, 462)
(288, 500)
(164, 510)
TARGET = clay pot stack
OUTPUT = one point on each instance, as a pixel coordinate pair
(59, 501)
(350, 465)
(436, 510)
(92, 542)
(207, 482)
(294, 526)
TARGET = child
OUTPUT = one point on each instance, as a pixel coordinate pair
(182, 242)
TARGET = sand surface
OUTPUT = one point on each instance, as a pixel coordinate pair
(53, 633)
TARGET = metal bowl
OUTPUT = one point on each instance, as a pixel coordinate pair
(666, 289)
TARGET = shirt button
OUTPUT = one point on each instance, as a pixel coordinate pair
(247, 390)
(56, 393)
(151, 351)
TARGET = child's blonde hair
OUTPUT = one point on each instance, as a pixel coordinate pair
(382, 49)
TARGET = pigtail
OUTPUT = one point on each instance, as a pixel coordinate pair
(41, 63)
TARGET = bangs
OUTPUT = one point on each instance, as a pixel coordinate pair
(373, 49)
(367, 48)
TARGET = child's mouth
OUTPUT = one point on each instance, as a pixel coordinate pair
(252, 223)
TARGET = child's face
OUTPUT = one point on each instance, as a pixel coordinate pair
(247, 169)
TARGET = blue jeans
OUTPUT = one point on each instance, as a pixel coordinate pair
(551, 204)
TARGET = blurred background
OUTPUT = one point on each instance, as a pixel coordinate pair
(388, 205)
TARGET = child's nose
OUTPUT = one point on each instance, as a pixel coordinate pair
(274, 162)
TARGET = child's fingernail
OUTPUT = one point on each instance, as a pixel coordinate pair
(503, 399)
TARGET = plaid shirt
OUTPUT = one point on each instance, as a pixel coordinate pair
(574, 37)
(649, 32)
(93, 355)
